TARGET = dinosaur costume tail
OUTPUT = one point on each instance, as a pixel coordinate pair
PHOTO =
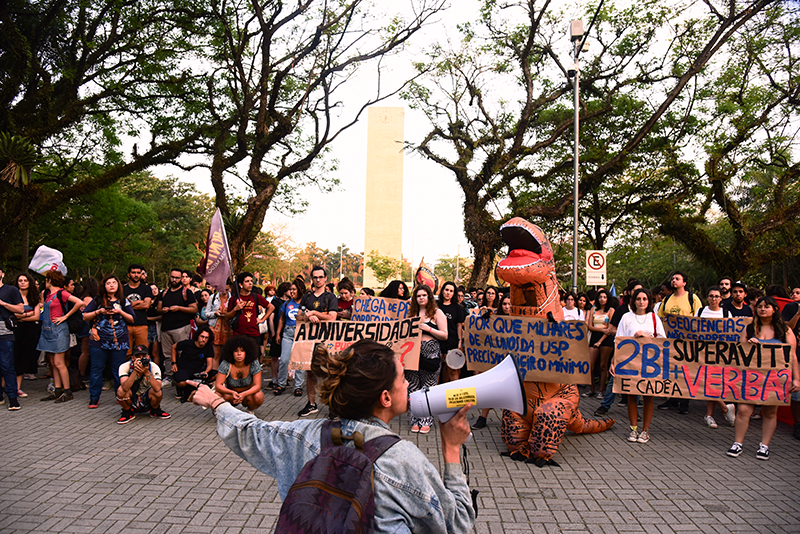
(581, 425)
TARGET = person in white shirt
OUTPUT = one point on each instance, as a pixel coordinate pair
(571, 311)
(715, 310)
(642, 322)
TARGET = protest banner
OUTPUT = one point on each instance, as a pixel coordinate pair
(545, 352)
(722, 329)
(402, 336)
(371, 309)
(757, 373)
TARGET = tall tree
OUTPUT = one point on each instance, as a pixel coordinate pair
(499, 105)
(751, 170)
(279, 70)
(79, 76)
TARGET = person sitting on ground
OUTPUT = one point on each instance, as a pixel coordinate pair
(365, 386)
(767, 327)
(238, 379)
(141, 387)
(193, 359)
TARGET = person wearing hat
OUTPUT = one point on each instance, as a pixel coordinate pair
(141, 387)
(10, 303)
(738, 307)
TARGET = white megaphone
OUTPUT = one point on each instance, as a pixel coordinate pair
(455, 359)
(500, 387)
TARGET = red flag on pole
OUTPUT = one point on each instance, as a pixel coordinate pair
(216, 264)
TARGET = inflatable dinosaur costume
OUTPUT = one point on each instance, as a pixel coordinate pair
(552, 408)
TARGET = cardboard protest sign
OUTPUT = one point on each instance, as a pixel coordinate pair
(372, 309)
(402, 336)
(723, 329)
(757, 373)
(545, 352)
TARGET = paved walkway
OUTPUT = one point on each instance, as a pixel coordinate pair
(66, 469)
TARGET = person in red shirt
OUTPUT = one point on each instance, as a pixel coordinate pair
(247, 303)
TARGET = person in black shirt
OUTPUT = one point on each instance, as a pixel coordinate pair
(456, 315)
(177, 306)
(193, 359)
(316, 305)
(138, 294)
(738, 306)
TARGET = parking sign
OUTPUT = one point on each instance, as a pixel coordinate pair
(596, 267)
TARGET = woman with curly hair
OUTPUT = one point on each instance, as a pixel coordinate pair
(767, 327)
(238, 379)
(433, 324)
(365, 386)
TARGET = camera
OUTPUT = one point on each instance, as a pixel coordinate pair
(145, 361)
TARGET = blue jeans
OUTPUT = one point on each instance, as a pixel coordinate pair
(608, 399)
(99, 358)
(7, 367)
(287, 340)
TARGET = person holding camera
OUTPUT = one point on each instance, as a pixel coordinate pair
(140, 390)
(107, 315)
(193, 359)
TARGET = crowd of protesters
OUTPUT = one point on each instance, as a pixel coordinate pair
(136, 338)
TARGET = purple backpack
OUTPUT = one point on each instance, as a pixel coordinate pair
(335, 491)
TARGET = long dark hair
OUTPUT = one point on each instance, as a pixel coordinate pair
(777, 321)
(454, 299)
(391, 290)
(608, 301)
(119, 295)
(33, 295)
(90, 288)
(485, 301)
(352, 381)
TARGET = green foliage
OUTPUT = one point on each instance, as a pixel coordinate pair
(385, 268)
(17, 158)
(159, 223)
(456, 269)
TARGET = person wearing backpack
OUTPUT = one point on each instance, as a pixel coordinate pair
(365, 386)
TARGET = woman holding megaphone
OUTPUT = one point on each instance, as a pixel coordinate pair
(433, 324)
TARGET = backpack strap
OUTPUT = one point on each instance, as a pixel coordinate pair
(331, 436)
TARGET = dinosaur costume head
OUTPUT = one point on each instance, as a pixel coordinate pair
(530, 270)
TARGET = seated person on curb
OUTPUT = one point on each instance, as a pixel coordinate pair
(238, 379)
(365, 386)
(141, 387)
(193, 359)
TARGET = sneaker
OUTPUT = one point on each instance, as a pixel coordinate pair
(710, 421)
(425, 429)
(763, 452)
(601, 411)
(756, 416)
(126, 417)
(735, 450)
(480, 423)
(623, 401)
(21, 394)
(730, 415)
(599, 395)
(414, 428)
(107, 384)
(633, 436)
(308, 410)
(587, 394)
(665, 405)
(65, 397)
(644, 437)
(166, 382)
(683, 407)
(28, 376)
(271, 385)
(178, 392)
(13, 405)
(49, 397)
(159, 413)
(93, 403)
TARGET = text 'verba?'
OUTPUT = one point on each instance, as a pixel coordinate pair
(757, 373)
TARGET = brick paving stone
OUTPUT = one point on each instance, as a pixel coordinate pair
(188, 482)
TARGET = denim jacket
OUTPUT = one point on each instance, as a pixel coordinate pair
(410, 496)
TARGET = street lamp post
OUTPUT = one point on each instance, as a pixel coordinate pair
(576, 37)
